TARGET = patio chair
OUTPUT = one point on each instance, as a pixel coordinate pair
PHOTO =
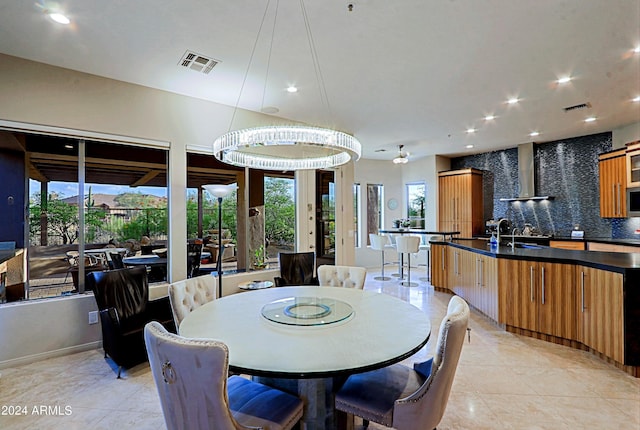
(194, 253)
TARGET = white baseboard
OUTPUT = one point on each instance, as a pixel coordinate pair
(50, 354)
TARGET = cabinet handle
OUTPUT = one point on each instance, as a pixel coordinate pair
(543, 285)
(615, 199)
(455, 264)
(443, 268)
(619, 201)
(481, 272)
(531, 282)
(582, 290)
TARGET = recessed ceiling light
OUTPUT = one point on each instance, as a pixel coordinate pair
(636, 99)
(292, 89)
(636, 49)
(564, 80)
(489, 117)
(471, 130)
(513, 100)
(59, 18)
(534, 134)
(469, 146)
(590, 119)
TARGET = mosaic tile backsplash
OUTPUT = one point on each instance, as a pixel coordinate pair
(565, 169)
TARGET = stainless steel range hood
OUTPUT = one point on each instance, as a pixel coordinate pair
(526, 176)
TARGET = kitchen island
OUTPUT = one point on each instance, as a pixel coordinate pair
(583, 299)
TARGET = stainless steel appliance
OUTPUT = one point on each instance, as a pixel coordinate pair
(503, 224)
(633, 201)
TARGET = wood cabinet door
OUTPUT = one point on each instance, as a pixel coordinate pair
(445, 199)
(439, 266)
(453, 276)
(613, 185)
(521, 295)
(601, 312)
(487, 286)
(556, 300)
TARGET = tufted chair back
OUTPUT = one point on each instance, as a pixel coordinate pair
(190, 294)
(342, 276)
(191, 376)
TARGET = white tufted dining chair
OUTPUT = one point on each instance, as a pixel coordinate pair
(191, 376)
(410, 399)
(342, 276)
(190, 294)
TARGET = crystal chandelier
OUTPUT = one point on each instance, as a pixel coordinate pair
(287, 147)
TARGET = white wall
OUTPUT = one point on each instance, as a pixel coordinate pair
(389, 175)
(36, 93)
(39, 329)
(624, 135)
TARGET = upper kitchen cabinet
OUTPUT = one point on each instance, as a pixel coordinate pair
(460, 203)
(613, 184)
(633, 164)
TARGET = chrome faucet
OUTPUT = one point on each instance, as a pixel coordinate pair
(513, 239)
(498, 228)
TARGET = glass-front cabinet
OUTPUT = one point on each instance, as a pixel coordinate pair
(633, 164)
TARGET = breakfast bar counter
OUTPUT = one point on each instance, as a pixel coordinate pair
(584, 299)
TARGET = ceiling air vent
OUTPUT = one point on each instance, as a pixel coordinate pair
(197, 62)
(580, 106)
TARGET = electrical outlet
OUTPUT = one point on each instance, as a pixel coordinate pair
(93, 317)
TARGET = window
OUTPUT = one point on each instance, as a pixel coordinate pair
(279, 215)
(375, 197)
(416, 193)
(356, 214)
(123, 201)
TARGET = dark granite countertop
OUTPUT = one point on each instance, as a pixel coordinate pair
(626, 242)
(612, 261)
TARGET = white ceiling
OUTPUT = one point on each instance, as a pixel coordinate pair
(412, 72)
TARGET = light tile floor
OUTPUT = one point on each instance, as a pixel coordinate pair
(504, 381)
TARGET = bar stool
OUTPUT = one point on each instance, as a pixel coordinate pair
(378, 243)
(427, 247)
(391, 244)
(408, 245)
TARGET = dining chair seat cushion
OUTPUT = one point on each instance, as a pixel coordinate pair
(372, 395)
(257, 405)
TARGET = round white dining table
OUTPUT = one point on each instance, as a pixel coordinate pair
(380, 330)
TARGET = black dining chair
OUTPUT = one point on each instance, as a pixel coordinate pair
(296, 268)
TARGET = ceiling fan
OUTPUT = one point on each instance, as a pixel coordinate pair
(402, 157)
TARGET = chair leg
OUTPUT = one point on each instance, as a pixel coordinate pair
(428, 266)
(382, 278)
(119, 371)
(408, 282)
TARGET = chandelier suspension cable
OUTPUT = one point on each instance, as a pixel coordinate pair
(286, 147)
(273, 32)
(246, 73)
(324, 97)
